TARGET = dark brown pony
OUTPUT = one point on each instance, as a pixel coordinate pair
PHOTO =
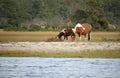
(66, 33)
(80, 31)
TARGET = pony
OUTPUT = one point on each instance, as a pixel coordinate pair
(66, 33)
(87, 30)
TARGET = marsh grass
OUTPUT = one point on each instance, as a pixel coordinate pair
(81, 54)
(11, 36)
(105, 36)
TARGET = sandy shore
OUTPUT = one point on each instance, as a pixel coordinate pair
(58, 46)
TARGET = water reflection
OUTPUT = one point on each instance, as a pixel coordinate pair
(35, 67)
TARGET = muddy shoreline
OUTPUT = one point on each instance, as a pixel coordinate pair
(58, 46)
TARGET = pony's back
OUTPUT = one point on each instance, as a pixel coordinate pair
(87, 27)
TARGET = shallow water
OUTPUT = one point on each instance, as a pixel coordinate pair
(35, 67)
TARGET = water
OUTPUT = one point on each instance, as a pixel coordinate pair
(35, 67)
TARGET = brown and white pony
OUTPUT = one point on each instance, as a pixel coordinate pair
(66, 33)
(87, 30)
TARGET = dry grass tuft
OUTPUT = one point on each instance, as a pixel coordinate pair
(53, 39)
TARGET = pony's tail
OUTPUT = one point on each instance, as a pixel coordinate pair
(89, 36)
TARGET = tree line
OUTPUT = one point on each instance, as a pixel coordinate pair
(35, 15)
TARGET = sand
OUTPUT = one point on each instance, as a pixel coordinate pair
(58, 46)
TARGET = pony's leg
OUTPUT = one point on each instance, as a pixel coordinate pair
(72, 38)
(85, 38)
(80, 38)
(64, 37)
(89, 36)
(77, 38)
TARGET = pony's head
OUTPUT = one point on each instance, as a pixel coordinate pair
(60, 35)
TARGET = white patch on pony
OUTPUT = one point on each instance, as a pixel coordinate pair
(79, 25)
(73, 30)
(63, 30)
(83, 28)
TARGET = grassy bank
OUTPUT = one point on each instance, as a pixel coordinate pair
(11, 36)
(82, 54)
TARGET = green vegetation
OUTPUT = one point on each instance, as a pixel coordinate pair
(35, 15)
(81, 54)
